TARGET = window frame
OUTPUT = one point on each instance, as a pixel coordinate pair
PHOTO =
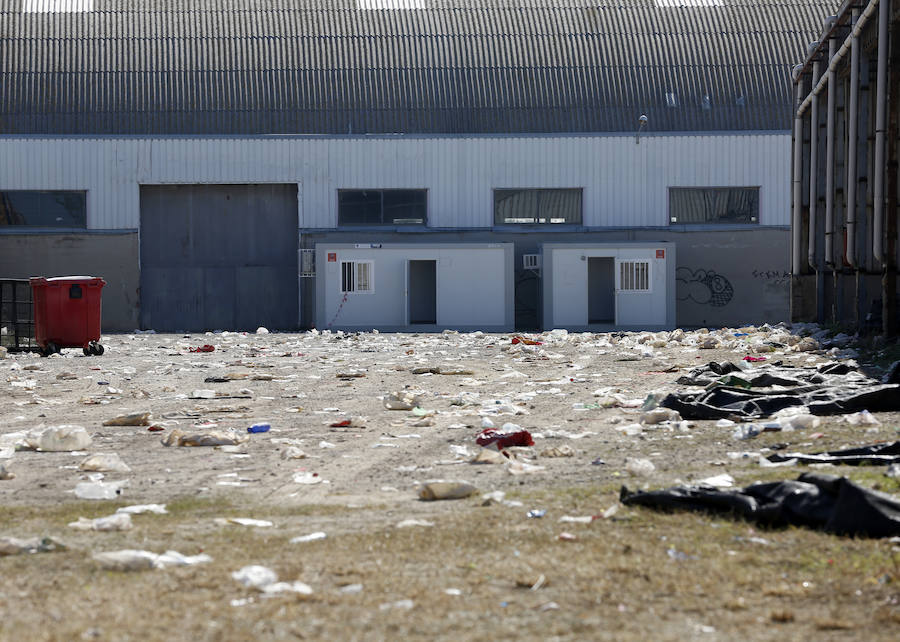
(381, 192)
(538, 223)
(648, 275)
(36, 228)
(354, 263)
(716, 222)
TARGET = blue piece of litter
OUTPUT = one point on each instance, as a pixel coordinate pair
(259, 428)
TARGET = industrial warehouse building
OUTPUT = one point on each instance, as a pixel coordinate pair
(404, 164)
(845, 171)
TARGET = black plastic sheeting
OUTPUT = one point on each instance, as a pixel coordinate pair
(875, 455)
(830, 389)
(822, 502)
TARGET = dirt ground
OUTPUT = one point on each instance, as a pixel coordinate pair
(467, 568)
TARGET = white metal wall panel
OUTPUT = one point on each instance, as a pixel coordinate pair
(625, 184)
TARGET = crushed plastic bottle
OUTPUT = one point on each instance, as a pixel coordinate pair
(747, 431)
(59, 438)
(99, 490)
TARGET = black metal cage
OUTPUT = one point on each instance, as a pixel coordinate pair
(16, 315)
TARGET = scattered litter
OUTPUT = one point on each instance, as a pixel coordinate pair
(583, 519)
(718, 481)
(862, 418)
(487, 456)
(105, 463)
(243, 521)
(258, 428)
(445, 489)
(558, 451)
(536, 513)
(307, 477)
(58, 438)
(403, 605)
(255, 576)
(137, 560)
(639, 467)
(215, 438)
(99, 489)
(508, 435)
(204, 348)
(116, 522)
(407, 523)
(15, 546)
(350, 422)
(140, 509)
(312, 537)
(130, 419)
(404, 400)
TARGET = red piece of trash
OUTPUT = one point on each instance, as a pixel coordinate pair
(206, 348)
(501, 440)
(528, 342)
(155, 428)
(341, 424)
(754, 359)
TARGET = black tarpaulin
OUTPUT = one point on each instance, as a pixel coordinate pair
(830, 389)
(822, 502)
(874, 455)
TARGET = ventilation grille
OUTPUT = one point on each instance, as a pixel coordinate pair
(307, 263)
(531, 261)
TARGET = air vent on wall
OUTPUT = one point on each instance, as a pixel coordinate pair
(531, 262)
(307, 263)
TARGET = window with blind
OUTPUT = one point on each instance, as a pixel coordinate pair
(537, 206)
(729, 205)
(356, 276)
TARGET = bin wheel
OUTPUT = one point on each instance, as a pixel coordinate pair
(97, 349)
(88, 351)
(49, 349)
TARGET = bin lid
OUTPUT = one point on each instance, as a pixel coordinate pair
(84, 280)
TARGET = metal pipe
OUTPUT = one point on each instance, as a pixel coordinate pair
(829, 159)
(845, 48)
(813, 171)
(880, 126)
(852, 145)
(797, 179)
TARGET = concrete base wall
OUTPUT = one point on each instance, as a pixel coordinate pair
(114, 257)
(723, 277)
(803, 298)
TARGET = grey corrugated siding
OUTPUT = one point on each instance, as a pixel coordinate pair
(325, 67)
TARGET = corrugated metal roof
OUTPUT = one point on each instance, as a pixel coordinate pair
(456, 66)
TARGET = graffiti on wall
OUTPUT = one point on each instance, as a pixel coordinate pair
(705, 287)
(776, 277)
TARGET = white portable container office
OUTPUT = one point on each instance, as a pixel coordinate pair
(609, 286)
(418, 287)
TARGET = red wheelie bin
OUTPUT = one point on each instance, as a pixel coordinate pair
(67, 313)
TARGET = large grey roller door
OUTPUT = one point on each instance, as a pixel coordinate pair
(218, 257)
